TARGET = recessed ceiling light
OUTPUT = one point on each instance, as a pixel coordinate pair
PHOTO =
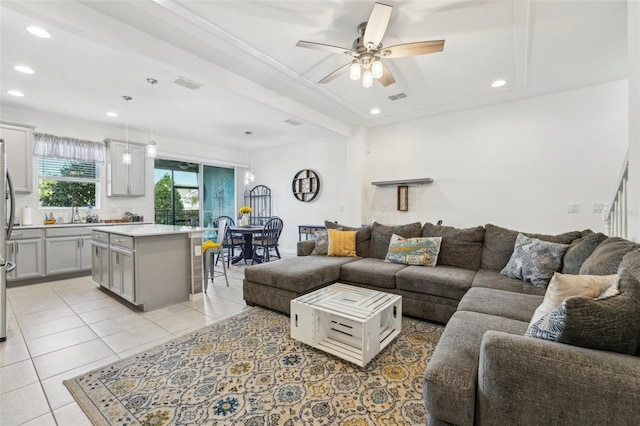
(112, 114)
(38, 32)
(24, 69)
(498, 83)
(375, 111)
(16, 93)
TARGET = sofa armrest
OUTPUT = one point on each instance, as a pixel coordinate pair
(305, 247)
(527, 381)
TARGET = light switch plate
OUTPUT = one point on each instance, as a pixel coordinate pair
(198, 250)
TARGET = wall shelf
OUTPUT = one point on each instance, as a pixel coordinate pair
(421, 181)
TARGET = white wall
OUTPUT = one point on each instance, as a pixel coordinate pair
(516, 164)
(114, 207)
(276, 167)
(633, 188)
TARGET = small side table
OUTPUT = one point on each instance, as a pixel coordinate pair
(308, 230)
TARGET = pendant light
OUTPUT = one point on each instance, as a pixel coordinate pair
(151, 146)
(126, 155)
(249, 177)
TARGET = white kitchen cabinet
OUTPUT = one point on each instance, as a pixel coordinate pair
(67, 250)
(100, 264)
(122, 275)
(125, 180)
(26, 253)
(19, 148)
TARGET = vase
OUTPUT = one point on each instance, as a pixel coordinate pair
(244, 220)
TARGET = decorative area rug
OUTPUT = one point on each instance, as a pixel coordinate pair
(248, 371)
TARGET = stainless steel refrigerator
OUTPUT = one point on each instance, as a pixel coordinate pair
(7, 216)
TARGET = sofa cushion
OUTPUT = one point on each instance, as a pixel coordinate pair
(451, 377)
(442, 281)
(422, 251)
(534, 260)
(341, 243)
(461, 247)
(491, 279)
(321, 242)
(381, 236)
(499, 242)
(606, 258)
(363, 236)
(561, 287)
(506, 304)
(370, 271)
(298, 274)
(579, 250)
(607, 323)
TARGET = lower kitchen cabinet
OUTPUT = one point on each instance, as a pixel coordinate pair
(123, 272)
(67, 250)
(100, 264)
(27, 255)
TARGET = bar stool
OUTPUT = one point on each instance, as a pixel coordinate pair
(210, 250)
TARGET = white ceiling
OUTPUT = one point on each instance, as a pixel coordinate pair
(255, 77)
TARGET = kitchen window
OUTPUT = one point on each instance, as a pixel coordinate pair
(68, 183)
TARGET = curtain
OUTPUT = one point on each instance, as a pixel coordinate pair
(68, 148)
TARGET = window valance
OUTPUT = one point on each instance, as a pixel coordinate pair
(47, 145)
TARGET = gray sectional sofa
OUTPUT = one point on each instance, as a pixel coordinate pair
(484, 371)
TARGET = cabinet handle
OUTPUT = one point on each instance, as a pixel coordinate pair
(17, 248)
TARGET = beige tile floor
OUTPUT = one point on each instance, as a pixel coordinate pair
(61, 329)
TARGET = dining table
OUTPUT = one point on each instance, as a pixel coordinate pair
(247, 233)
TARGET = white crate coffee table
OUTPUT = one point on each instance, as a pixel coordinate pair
(352, 323)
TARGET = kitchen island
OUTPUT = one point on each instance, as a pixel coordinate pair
(150, 266)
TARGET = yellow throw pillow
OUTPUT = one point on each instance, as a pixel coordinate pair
(341, 243)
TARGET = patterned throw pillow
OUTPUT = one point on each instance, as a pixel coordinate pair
(414, 251)
(322, 242)
(341, 243)
(547, 321)
(534, 260)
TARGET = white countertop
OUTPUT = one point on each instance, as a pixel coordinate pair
(145, 230)
(71, 225)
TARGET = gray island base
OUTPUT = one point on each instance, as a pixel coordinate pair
(150, 266)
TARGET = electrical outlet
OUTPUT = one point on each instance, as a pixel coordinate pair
(598, 207)
(198, 250)
(573, 208)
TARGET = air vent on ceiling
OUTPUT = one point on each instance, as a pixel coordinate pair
(398, 96)
(293, 122)
(189, 84)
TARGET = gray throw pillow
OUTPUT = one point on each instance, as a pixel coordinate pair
(381, 236)
(363, 236)
(606, 258)
(461, 247)
(499, 242)
(534, 260)
(322, 242)
(579, 250)
(611, 323)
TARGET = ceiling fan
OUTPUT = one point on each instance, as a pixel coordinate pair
(367, 50)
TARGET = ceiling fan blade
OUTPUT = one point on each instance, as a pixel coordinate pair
(412, 49)
(387, 78)
(377, 25)
(324, 47)
(337, 73)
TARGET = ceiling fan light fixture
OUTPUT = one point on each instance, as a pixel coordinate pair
(355, 70)
(376, 69)
(367, 79)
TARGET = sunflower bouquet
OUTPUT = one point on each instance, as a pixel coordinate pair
(245, 210)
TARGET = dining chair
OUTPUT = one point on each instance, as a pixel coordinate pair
(230, 241)
(211, 249)
(268, 239)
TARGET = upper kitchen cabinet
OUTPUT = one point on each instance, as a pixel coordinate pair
(19, 148)
(125, 180)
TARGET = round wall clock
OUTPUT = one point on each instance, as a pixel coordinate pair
(305, 185)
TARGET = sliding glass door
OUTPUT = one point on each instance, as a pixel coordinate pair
(180, 200)
(218, 198)
(176, 195)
